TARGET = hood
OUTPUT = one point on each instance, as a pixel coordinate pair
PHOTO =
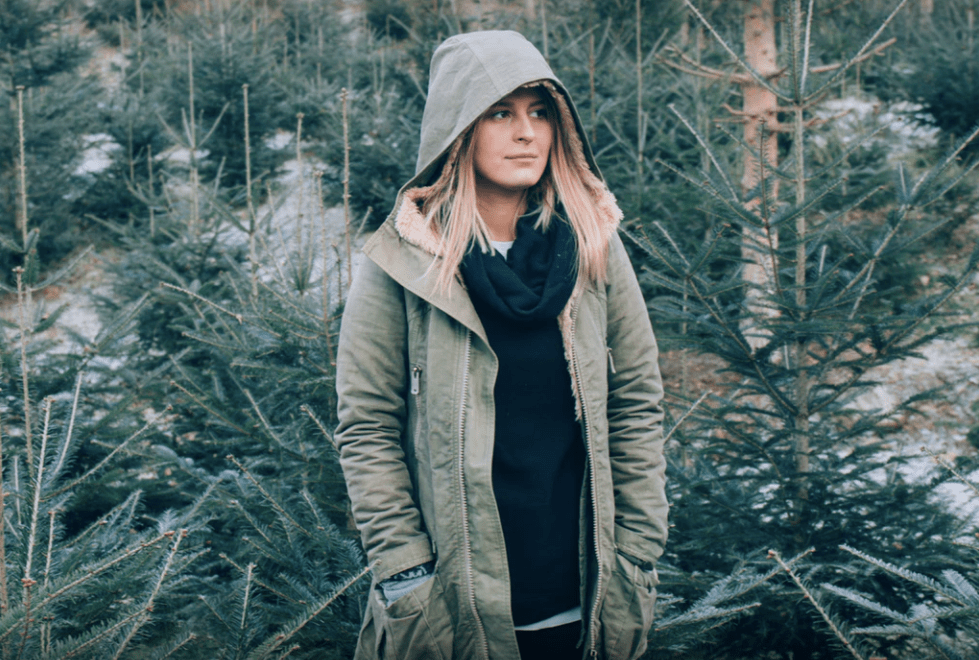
(469, 73)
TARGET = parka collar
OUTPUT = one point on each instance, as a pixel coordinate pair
(411, 265)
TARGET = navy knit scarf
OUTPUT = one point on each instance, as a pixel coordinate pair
(535, 280)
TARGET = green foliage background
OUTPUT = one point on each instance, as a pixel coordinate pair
(170, 487)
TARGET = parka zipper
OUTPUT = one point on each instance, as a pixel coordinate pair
(416, 380)
(416, 388)
(465, 501)
(592, 620)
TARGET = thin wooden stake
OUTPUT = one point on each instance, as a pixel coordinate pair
(27, 581)
(194, 175)
(139, 44)
(248, 196)
(149, 170)
(336, 251)
(346, 182)
(22, 167)
(22, 303)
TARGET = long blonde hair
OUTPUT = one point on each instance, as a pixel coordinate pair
(451, 202)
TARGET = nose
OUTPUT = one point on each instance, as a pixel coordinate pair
(523, 130)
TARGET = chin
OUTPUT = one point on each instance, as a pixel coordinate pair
(524, 182)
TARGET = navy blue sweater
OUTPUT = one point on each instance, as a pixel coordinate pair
(538, 464)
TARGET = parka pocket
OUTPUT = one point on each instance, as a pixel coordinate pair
(417, 625)
(627, 614)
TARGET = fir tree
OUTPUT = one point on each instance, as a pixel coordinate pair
(45, 111)
(76, 579)
(780, 457)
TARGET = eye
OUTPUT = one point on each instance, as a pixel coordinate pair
(498, 114)
(539, 113)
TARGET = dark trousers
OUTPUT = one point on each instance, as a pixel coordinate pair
(558, 643)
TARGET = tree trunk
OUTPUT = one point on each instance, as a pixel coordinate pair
(760, 111)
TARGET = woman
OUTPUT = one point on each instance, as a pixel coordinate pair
(500, 429)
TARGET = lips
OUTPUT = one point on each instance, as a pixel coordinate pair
(522, 157)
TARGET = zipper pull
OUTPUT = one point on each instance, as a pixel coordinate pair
(611, 362)
(416, 380)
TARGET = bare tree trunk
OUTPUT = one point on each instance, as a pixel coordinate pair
(760, 117)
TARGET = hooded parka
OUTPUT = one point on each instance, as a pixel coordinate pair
(415, 383)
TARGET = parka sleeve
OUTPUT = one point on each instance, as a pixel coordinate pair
(371, 387)
(635, 416)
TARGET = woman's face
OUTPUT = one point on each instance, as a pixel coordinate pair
(513, 143)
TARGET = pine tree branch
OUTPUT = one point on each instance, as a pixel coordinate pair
(173, 647)
(862, 54)
(319, 424)
(684, 416)
(23, 299)
(819, 608)
(74, 580)
(105, 461)
(910, 576)
(71, 426)
(272, 590)
(36, 502)
(64, 271)
(259, 528)
(722, 172)
(271, 500)
(204, 300)
(148, 606)
(211, 410)
(951, 468)
(950, 158)
(265, 422)
(99, 636)
(757, 77)
(287, 632)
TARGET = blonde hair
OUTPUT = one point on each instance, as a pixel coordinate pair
(451, 202)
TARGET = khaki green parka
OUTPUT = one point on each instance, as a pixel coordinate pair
(415, 381)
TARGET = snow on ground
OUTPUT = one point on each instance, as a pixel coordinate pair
(294, 227)
(950, 366)
(76, 293)
(904, 125)
(181, 155)
(98, 153)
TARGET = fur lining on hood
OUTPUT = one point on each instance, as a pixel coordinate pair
(412, 227)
